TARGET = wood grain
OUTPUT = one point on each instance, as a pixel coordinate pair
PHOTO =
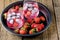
(57, 12)
(3, 32)
(56, 3)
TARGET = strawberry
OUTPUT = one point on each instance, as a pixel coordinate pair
(37, 20)
(35, 5)
(33, 25)
(26, 25)
(42, 18)
(15, 24)
(22, 32)
(40, 27)
(24, 11)
(32, 31)
(15, 10)
(9, 25)
(28, 14)
(22, 28)
(29, 20)
(17, 7)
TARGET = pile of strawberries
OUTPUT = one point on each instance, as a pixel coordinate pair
(32, 26)
(26, 21)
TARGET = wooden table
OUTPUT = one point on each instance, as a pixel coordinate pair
(52, 33)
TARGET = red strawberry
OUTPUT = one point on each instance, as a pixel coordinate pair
(32, 31)
(17, 7)
(29, 20)
(9, 25)
(24, 11)
(27, 15)
(14, 10)
(37, 20)
(40, 27)
(34, 25)
(35, 5)
(28, 12)
(22, 32)
(42, 18)
(15, 24)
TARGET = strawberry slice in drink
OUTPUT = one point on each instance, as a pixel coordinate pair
(9, 24)
(20, 22)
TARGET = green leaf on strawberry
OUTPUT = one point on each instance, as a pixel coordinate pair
(16, 30)
(5, 15)
(32, 31)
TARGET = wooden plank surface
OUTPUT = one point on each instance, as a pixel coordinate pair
(57, 11)
(56, 3)
(52, 33)
(3, 36)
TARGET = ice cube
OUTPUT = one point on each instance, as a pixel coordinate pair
(17, 20)
(20, 23)
(30, 5)
(27, 4)
(18, 14)
(13, 13)
(8, 18)
(37, 13)
(25, 7)
(11, 21)
(30, 9)
(13, 17)
(22, 17)
(35, 9)
(9, 15)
